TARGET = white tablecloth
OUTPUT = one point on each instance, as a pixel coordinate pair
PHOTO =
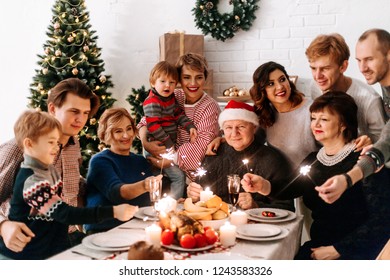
(283, 249)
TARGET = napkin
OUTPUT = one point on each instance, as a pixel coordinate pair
(90, 253)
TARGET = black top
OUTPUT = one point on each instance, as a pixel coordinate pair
(358, 223)
(262, 160)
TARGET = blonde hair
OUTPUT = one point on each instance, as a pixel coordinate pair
(33, 124)
(332, 44)
(163, 68)
(109, 120)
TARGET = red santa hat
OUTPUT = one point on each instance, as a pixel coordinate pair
(235, 110)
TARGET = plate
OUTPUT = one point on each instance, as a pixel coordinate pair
(291, 216)
(220, 256)
(149, 211)
(179, 248)
(140, 214)
(256, 212)
(283, 234)
(132, 237)
(258, 230)
(114, 240)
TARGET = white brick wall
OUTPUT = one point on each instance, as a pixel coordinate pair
(128, 33)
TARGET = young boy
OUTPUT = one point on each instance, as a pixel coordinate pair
(163, 116)
(37, 201)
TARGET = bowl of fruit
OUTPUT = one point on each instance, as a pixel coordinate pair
(183, 233)
(211, 213)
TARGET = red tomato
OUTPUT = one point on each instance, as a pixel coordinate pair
(167, 237)
(211, 236)
(206, 228)
(187, 241)
(201, 240)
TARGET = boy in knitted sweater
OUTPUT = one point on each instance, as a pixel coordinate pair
(37, 192)
(163, 116)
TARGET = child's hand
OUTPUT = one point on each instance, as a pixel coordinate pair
(193, 135)
(124, 212)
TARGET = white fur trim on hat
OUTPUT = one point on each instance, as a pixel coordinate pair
(237, 114)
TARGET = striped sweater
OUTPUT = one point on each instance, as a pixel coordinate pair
(204, 114)
(163, 116)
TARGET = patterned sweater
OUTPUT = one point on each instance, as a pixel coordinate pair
(163, 116)
(37, 202)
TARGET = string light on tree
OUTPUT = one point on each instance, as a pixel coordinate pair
(71, 51)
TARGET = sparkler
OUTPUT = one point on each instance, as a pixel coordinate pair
(200, 171)
(245, 161)
(304, 170)
(169, 155)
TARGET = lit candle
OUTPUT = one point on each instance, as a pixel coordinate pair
(206, 194)
(238, 218)
(166, 204)
(153, 234)
(227, 234)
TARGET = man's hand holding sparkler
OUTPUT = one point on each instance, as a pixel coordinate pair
(255, 183)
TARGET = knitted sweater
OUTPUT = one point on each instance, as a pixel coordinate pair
(291, 134)
(263, 160)
(106, 174)
(382, 147)
(163, 116)
(357, 224)
(37, 202)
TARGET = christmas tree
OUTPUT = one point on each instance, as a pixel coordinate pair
(71, 51)
(136, 100)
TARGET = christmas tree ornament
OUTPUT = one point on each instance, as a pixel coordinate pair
(67, 54)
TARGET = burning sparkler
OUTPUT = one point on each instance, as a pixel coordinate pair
(304, 170)
(169, 155)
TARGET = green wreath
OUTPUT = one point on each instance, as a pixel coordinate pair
(224, 26)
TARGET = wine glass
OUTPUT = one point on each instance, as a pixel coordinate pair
(234, 183)
(155, 189)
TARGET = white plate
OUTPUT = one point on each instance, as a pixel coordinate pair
(257, 213)
(141, 214)
(149, 211)
(133, 237)
(114, 240)
(291, 216)
(258, 230)
(179, 248)
(283, 234)
(219, 256)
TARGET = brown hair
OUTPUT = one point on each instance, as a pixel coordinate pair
(194, 61)
(263, 107)
(58, 93)
(382, 36)
(108, 121)
(342, 105)
(332, 44)
(163, 68)
(33, 124)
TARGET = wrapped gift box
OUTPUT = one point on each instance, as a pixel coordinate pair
(173, 45)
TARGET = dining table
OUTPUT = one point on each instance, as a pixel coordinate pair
(283, 247)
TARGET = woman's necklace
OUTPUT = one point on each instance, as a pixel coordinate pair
(330, 160)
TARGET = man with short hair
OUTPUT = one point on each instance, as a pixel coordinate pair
(72, 102)
(373, 57)
(328, 58)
